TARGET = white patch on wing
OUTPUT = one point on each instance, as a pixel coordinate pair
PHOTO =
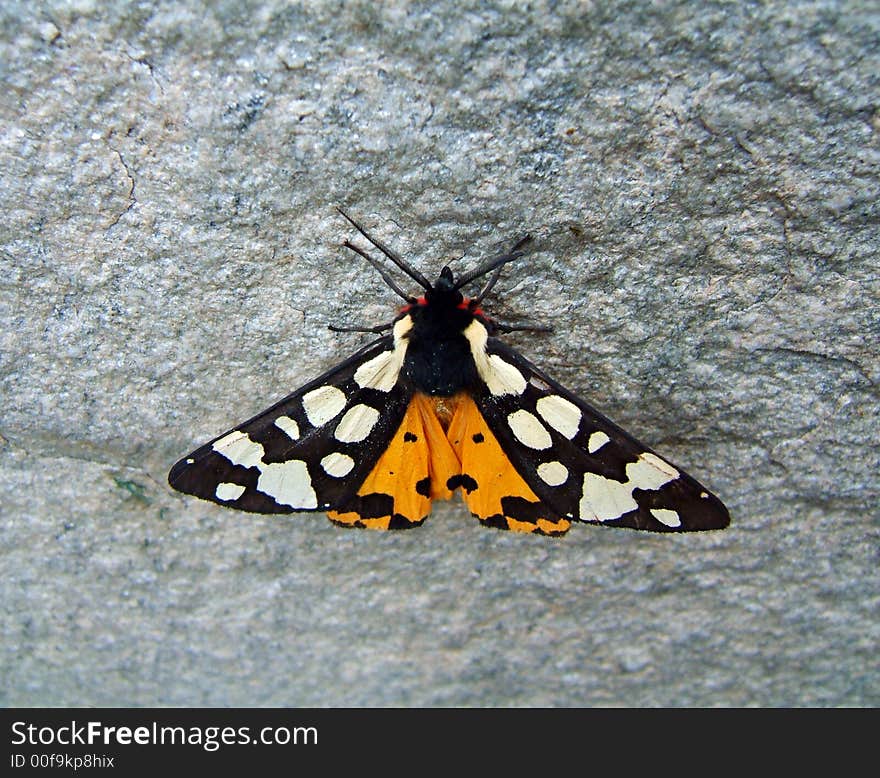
(528, 430)
(501, 377)
(604, 499)
(228, 492)
(377, 372)
(650, 472)
(357, 423)
(337, 465)
(323, 404)
(596, 441)
(666, 516)
(559, 413)
(288, 426)
(239, 449)
(553, 473)
(382, 371)
(288, 483)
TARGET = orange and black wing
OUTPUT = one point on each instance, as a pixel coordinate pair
(491, 482)
(576, 464)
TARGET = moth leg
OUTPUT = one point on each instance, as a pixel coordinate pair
(505, 327)
(377, 329)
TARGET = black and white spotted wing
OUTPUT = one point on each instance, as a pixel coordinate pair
(583, 466)
(311, 450)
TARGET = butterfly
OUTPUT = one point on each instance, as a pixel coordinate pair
(438, 404)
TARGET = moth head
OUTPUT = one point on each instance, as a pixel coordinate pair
(444, 288)
(446, 282)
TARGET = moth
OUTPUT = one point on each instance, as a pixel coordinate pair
(437, 404)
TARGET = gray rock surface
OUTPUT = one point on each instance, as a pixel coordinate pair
(702, 180)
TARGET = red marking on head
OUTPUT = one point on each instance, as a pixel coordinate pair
(407, 308)
(465, 305)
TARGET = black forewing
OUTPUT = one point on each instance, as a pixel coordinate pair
(201, 472)
(695, 507)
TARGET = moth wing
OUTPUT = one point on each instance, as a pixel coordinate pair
(493, 488)
(413, 470)
(311, 450)
(582, 466)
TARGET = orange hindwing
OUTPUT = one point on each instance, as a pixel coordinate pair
(426, 462)
(493, 490)
(412, 471)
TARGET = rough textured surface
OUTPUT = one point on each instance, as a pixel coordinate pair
(703, 183)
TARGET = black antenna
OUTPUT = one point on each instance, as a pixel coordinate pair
(386, 276)
(495, 264)
(414, 274)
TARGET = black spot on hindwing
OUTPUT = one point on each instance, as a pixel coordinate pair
(497, 521)
(401, 522)
(464, 481)
(522, 510)
(371, 506)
